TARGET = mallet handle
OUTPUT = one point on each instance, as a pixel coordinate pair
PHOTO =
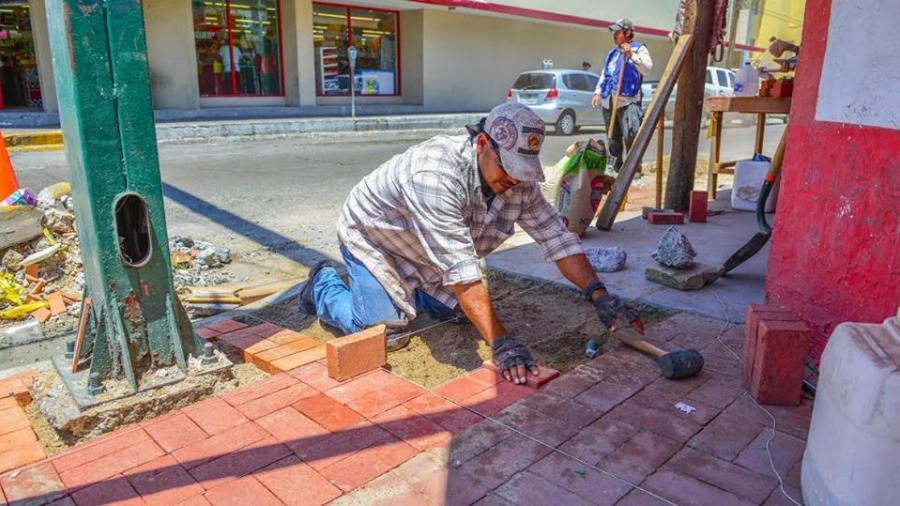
(633, 339)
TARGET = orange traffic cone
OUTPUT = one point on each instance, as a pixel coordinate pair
(8, 182)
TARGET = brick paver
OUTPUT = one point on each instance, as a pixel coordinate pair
(300, 437)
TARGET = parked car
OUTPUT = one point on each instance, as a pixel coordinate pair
(561, 97)
(719, 83)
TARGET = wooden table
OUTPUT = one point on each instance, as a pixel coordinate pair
(719, 105)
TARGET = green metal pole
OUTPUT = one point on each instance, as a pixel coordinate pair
(102, 79)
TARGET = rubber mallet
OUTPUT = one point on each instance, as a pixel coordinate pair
(672, 364)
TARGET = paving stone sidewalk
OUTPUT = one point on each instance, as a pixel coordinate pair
(607, 432)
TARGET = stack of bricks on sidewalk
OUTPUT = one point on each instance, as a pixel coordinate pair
(775, 349)
(18, 443)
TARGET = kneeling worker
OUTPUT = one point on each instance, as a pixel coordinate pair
(412, 232)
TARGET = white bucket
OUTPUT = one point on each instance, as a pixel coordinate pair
(748, 181)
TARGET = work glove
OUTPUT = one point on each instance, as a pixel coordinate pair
(513, 359)
(609, 308)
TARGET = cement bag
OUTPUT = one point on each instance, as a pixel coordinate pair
(553, 173)
(582, 184)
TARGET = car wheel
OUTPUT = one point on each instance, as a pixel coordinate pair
(565, 125)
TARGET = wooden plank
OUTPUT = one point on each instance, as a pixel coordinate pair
(645, 133)
(764, 105)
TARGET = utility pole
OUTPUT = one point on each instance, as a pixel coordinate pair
(698, 21)
(351, 55)
(732, 30)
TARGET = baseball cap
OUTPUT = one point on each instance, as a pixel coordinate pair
(519, 134)
(622, 24)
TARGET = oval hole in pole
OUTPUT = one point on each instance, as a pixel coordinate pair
(133, 230)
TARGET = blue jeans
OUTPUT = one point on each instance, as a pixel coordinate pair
(365, 302)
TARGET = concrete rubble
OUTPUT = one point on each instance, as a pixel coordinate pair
(674, 250)
(611, 259)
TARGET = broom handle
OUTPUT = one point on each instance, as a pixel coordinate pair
(615, 99)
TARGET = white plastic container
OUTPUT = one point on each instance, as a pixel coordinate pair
(746, 82)
(748, 181)
(853, 450)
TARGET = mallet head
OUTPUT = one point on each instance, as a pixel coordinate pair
(680, 364)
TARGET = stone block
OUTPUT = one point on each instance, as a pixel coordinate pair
(755, 313)
(665, 218)
(698, 207)
(357, 353)
(19, 224)
(694, 277)
(781, 350)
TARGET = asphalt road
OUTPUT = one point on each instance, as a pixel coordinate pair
(275, 201)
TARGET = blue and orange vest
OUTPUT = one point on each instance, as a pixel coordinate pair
(631, 80)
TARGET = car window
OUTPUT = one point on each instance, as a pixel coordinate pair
(730, 79)
(580, 82)
(591, 82)
(709, 76)
(535, 81)
(723, 77)
(570, 80)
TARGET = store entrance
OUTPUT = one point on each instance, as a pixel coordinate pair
(19, 84)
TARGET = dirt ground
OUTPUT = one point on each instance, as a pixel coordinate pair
(554, 322)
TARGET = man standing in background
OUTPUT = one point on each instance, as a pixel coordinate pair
(636, 58)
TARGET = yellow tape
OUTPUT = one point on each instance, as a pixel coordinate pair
(11, 290)
(15, 313)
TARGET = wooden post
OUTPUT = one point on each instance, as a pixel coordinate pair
(660, 152)
(732, 31)
(689, 106)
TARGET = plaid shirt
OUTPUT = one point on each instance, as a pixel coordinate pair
(422, 221)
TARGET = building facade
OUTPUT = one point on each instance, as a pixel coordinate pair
(439, 55)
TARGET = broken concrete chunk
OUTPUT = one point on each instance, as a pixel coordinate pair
(674, 250)
(49, 196)
(19, 224)
(59, 221)
(693, 278)
(610, 259)
(11, 259)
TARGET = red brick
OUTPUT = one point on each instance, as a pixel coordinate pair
(295, 483)
(640, 456)
(37, 481)
(18, 386)
(487, 374)
(288, 425)
(682, 489)
(42, 314)
(358, 353)
(359, 386)
(206, 333)
(197, 500)
(755, 312)
(327, 412)
(327, 450)
(664, 401)
(545, 375)
(257, 348)
(719, 392)
(264, 359)
(247, 490)
(697, 209)
(225, 326)
(461, 388)
(379, 401)
(386, 490)
(228, 441)
(315, 375)
(163, 482)
(276, 400)
(113, 491)
(98, 448)
(241, 339)
(8, 402)
(239, 463)
(596, 441)
(725, 475)
(21, 455)
(13, 419)
(777, 498)
(259, 389)
(476, 440)
(214, 415)
(604, 396)
(779, 362)
(285, 336)
(500, 463)
(574, 382)
(725, 436)
(792, 420)
(111, 464)
(574, 413)
(367, 464)
(174, 432)
(641, 498)
(494, 399)
(16, 439)
(415, 430)
(537, 425)
(300, 359)
(528, 488)
(786, 453)
(57, 304)
(665, 218)
(443, 412)
(267, 329)
(598, 488)
(429, 475)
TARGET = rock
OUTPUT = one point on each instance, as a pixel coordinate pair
(607, 259)
(59, 221)
(19, 224)
(674, 250)
(222, 255)
(11, 259)
(53, 194)
(693, 278)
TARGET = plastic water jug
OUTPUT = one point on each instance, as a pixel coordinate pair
(746, 83)
(748, 179)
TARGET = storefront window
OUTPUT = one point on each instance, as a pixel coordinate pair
(19, 83)
(245, 32)
(374, 34)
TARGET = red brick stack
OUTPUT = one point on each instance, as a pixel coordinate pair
(775, 348)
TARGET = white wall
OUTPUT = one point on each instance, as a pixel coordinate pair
(42, 55)
(171, 54)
